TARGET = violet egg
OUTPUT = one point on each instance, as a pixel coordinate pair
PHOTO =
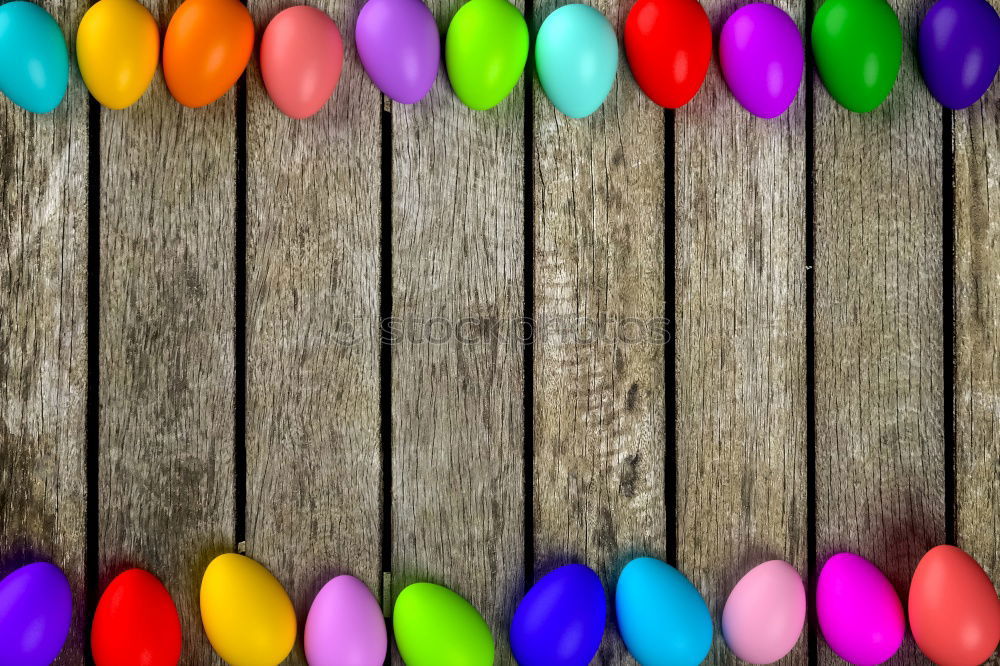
(345, 626)
(400, 47)
(36, 606)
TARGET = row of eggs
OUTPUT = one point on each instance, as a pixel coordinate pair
(954, 614)
(208, 44)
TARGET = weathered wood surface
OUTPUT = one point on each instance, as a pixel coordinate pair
(314, 484)
(977, 329)
(43, 336)
(880, 489)
(457, 414)
(166, 342)
(599, 423)
(740, 227)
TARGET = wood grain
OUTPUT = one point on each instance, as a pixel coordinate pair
(741, 338)
(314, 483)
(43, 336)
(599, 306)
(457, 370)
(977, 328)
(167, 276)
(878, 327)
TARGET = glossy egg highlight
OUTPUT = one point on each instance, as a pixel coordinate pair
(953, 607)
(345, 626)
(762, 58)
(434, 626)
(959, 46)
(118, 49)
(34, 60)
(669, 47)
(560, 621)
(486, 49)
(859, 612)
(301, 55)
(247, 614)
(36, 607)
(662, 617)
(764, 614)
(136, 622)
(400, 47)
(206, 48)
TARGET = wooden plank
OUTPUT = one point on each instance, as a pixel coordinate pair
(878, 327)
(314, 484)
(977, 329)
(741, 338)
(168, 178)
(599, 294)
(457, 418)
(44, 337)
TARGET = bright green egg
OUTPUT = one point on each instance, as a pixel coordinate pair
(485, 51)
(858, 47)
(436, 627)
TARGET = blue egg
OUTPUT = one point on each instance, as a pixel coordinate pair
(560, 621)
(34, 61)
(576, 55)
(661, 615)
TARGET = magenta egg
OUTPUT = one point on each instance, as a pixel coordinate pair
(345, 626)
(400, 47)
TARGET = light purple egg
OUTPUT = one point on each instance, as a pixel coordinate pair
(400, 47)
(761, 54)
(345, 626)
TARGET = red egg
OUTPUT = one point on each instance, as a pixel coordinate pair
(136, 623)
(669, 47)
(954, 609)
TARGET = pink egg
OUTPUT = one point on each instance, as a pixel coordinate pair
(859, 612)
(301, 55)
(345, 626)
(765, 613)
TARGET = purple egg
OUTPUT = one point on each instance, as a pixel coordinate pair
(345, 626)
(761, 54)
(36, 606)
(400, 47)
(959, 50)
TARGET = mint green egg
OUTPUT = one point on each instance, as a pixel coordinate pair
(34, 61)
(576, 55)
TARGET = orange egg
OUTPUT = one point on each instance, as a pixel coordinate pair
(207, 46)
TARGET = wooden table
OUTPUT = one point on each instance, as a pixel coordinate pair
(749, 339)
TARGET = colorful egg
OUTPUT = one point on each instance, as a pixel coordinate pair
(207, 46)
(954, 609)
(560, 621)
(247, 614)
(136, 622)
(118, 49)
(959, 50)
(301, 55)
(669, 47)
(859, 612)
(662, 617)
(576, 56)
(434, 626)
(858, 47)
(764, 614)
(485, 51)
(761, 55)
(400, 47)
(36, 607)
(345, 626)
(34, 61)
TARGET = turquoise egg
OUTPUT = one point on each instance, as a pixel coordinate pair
(576, 56)
(34, 61)
(661, 615)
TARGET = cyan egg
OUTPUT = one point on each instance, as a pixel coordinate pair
(560, 621)
(662, 617)
(34, 60)
(400, 47)
(36, 606)
(576, 55)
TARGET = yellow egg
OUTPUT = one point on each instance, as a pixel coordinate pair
(248, 617)
(118, 47)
